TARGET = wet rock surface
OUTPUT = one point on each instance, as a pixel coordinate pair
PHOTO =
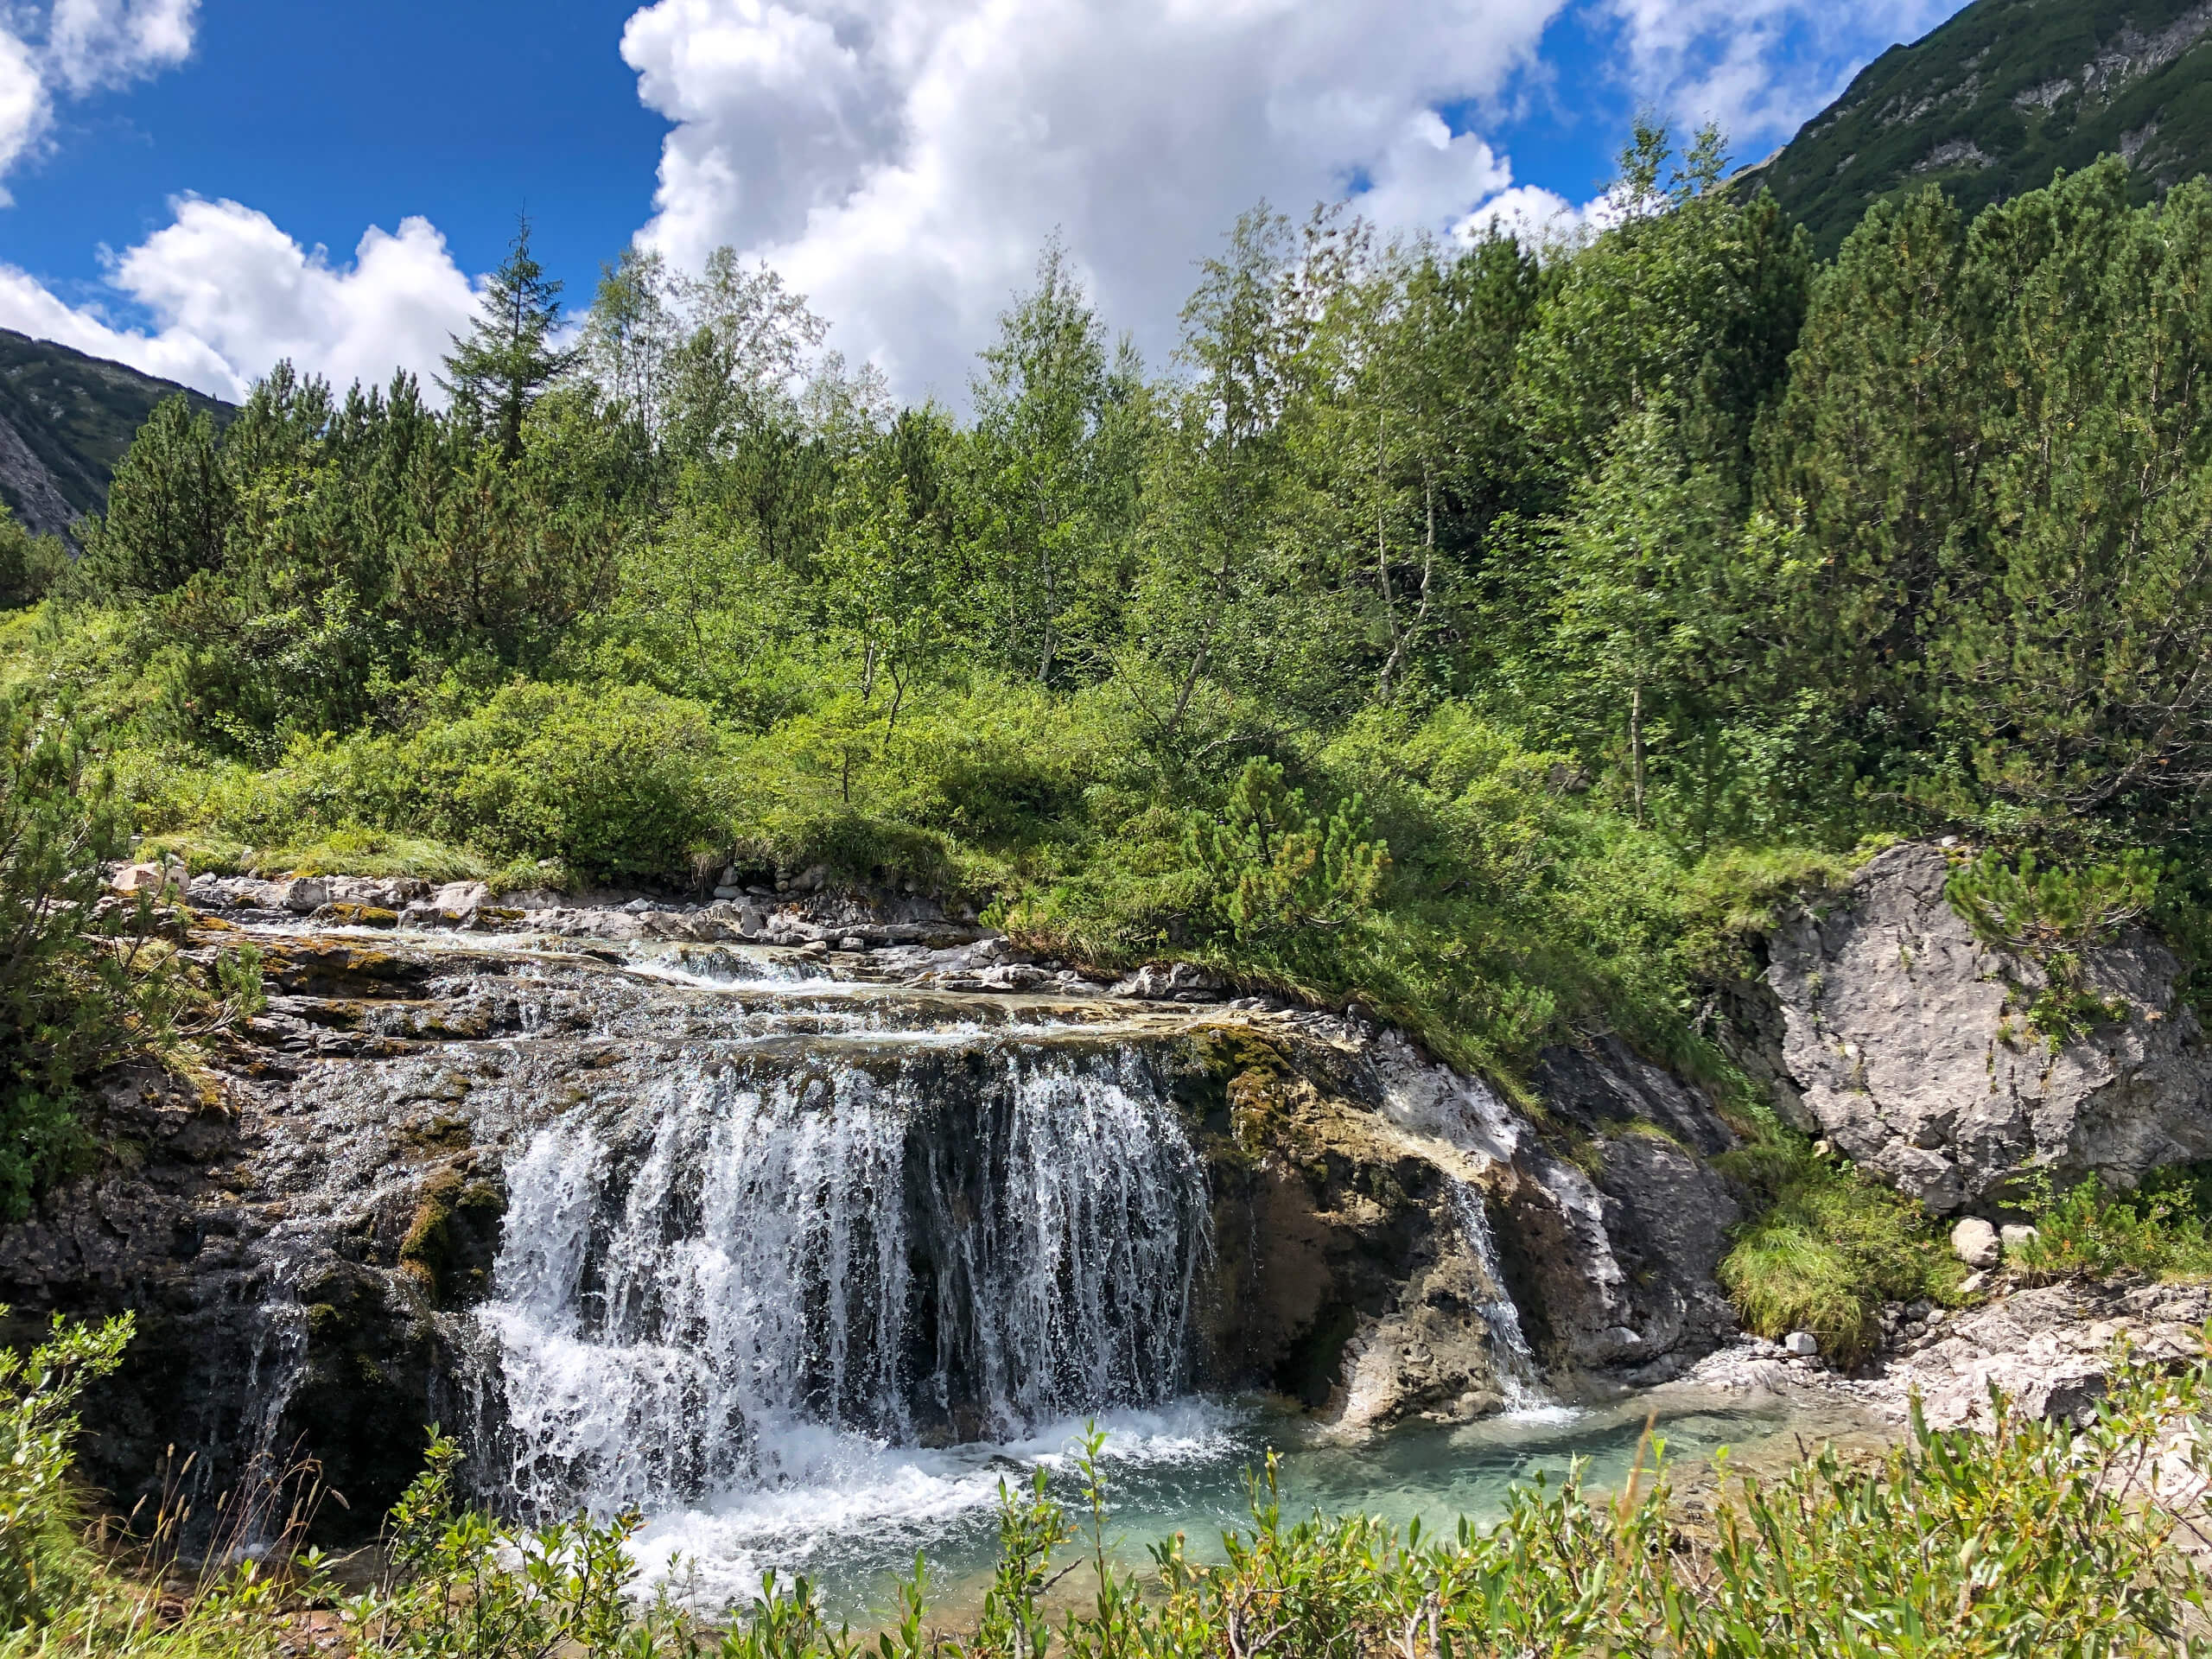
(1882, 1023)
(447, 1160)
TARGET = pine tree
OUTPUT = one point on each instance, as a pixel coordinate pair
(508, 360)
(170, 509)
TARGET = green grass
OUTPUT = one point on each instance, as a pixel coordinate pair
(1826, 1247)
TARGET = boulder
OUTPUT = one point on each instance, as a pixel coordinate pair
(2049, 1350)
(1012, 976)
(1884, 1025)
(1974, 1241)
(138, 878)
(1803, 1343)
(2015, 1238)
(1179, 981)
(304, 895)
(460, 898)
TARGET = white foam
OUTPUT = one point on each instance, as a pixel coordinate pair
(671, 1313)
(842, 1496)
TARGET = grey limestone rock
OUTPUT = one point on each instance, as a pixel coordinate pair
(1180, 982)
(307, 893)
(2049, 1350)
(1904, 1040)
(1974, 1241)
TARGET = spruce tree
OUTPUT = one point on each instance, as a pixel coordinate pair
(508, 360)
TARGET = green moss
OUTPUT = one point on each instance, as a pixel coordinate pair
(444, 1246)
(348, 915)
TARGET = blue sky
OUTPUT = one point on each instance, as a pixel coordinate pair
(194, 179)
(329, 118)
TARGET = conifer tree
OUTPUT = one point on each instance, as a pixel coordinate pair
(170, 509)
(508, 359)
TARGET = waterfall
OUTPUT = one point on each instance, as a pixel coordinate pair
(933, 1245)
(1516, 1361)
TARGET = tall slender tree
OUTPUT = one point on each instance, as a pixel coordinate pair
(508, 359)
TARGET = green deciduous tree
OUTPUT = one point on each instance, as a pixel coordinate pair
(1060, 427)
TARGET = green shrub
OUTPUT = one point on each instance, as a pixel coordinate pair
(619, 782)
(2024, 906)
(462, 1585)
(29, 565)
(43, 1564)
(1826, 1247)
(82, 982)
(1280, 870)
(2087, 1232)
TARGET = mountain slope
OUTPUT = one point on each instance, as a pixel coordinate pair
(1994, 100)
(65, 420)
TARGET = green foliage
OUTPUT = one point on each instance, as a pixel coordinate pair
(1827, 1246)
(81, 983)
(169, 509)
(42, 1565)
(1279, 869)
(2087, 1232)
(464, 1585)
(508, 360)
(29, 565)
(2025, 906)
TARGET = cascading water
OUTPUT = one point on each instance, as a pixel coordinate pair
(1516, 1361)
(801, 1264)
(929, 1246)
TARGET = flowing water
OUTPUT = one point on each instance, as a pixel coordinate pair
(816, 1246)
(804, 1267)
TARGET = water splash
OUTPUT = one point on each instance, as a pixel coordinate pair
(1515, 1361)
(941, 1247)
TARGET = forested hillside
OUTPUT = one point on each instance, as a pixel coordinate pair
(65, 420)
(1994, 100)
(1477, 632)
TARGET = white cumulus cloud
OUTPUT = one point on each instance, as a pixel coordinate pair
(24, 106)
(77, 47)
(226, 275)
(96, 43)
(903, 161)
(29, 309)
(1760, 68)
(231, 295)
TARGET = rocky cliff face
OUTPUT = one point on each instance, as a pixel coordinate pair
(608, 1204)
(1882, 1023)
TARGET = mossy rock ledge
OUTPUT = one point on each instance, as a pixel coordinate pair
(307, 1247)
